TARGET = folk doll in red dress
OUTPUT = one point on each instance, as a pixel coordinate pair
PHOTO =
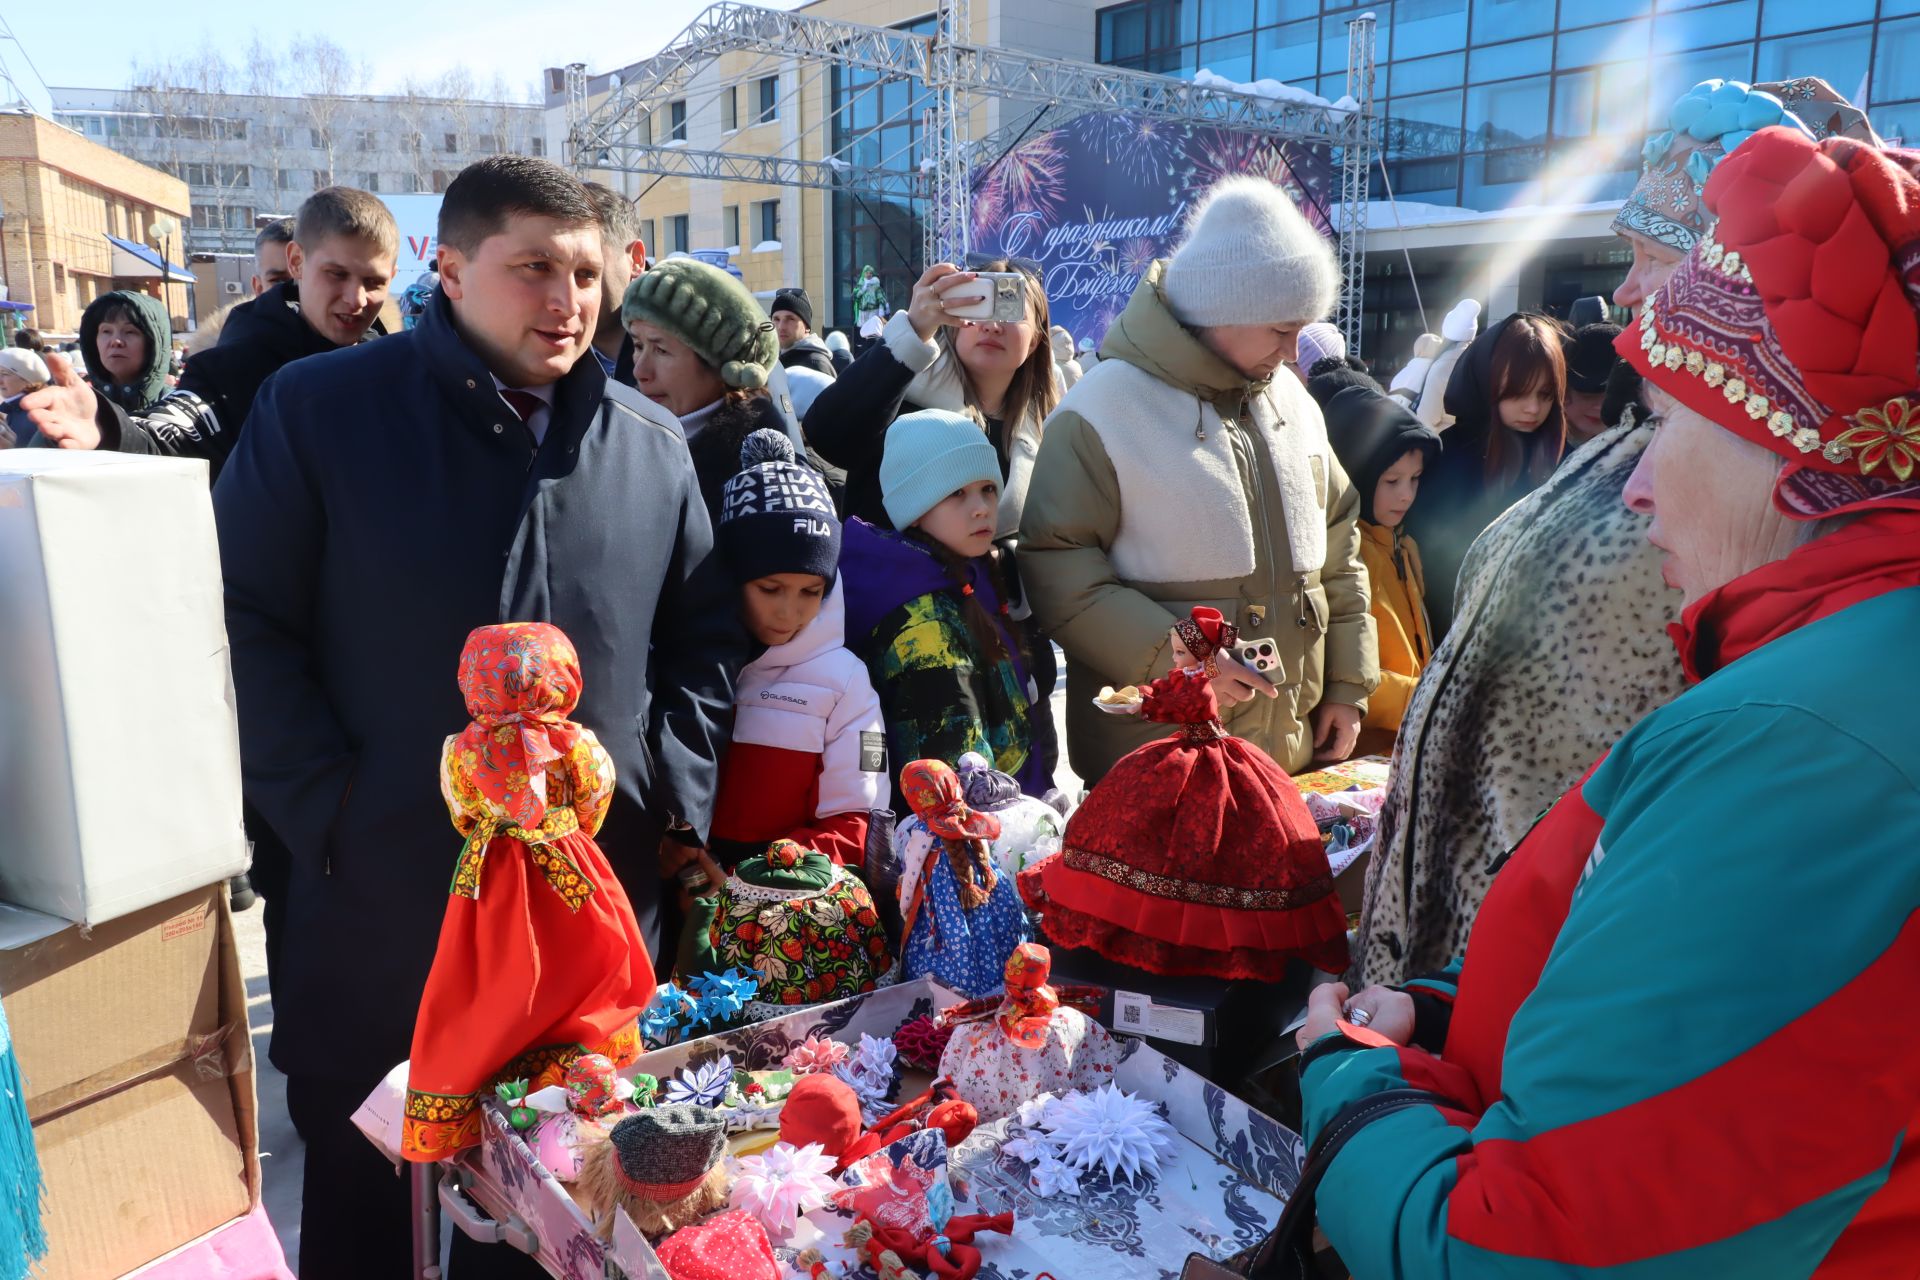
(540, 959)
(1195, 854)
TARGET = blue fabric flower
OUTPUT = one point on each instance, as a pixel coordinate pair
(704, 1086)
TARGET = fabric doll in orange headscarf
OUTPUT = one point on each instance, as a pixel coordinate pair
(1195, 854)
(540, 959)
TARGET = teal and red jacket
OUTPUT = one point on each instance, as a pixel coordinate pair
(1684, 1040)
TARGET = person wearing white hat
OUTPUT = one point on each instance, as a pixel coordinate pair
(21, 371)
(1181, 471)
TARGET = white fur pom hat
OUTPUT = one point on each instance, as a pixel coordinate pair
(1250, 257)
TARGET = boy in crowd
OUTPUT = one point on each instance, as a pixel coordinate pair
(340, 263)
(383, 502)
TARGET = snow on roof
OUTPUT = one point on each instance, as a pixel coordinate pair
(1272, 90)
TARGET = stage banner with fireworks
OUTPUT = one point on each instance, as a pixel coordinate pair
(1098, 199)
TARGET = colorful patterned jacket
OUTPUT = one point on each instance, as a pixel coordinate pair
(1681, 1043)
(939, 698)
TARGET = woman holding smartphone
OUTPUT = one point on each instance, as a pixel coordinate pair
(998, 371)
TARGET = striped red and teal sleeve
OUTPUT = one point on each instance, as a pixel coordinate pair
(1433, 997)
(1715, 1071)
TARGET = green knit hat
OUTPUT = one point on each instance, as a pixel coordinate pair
(710, 311)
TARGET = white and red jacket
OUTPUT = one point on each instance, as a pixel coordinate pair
(809, 756)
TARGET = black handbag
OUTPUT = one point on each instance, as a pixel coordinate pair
(1287, 1252)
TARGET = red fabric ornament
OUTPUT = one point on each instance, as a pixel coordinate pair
(921, 1042)
(729, 1246)
(822, 1109)
(958, 1261)
(940, 1107)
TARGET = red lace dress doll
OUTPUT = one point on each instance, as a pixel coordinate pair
(540, 959)
(1195, 854)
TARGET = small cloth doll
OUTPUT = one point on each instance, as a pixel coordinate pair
(1029, 1044)
(1195, 854)
(962, 918)
(540, 959)
(662, 1166)
(1029, 828)
(577, 1115)
(806, 926)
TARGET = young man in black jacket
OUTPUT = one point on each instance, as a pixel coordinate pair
(382, 503)
(342, 257)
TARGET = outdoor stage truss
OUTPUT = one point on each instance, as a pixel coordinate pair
(937, 81)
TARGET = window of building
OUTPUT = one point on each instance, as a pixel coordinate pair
(416, 184)
(1838, 57)
(320, 138)
(677, 233)
(677, 120)
(441, 178)
(1673, 75)
(449, 142)
(1512, 113)
(286, 180)
(1614, 42)
(1424, 75)
(1514, 58)
(1288, 53)
(1511, 18)
(769, 99)
(730, 226)
(239, 217)
(206, 217)
(1896, 62)
(1702, 28)
(1784, 16)
(646, 236)
(370, 182)
(366, 140)
(730, 108)
(490, 143)
(1232, 59)
(767, 219)
(1433, 26)
(416, 143)
(536, 145)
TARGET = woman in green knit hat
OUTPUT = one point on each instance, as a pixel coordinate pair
(702, 349)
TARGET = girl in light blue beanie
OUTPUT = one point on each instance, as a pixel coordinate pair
(924, 605)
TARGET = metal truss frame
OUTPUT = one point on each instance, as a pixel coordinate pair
(957, 75)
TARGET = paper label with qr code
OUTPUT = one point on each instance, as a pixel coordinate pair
(1135, 1014)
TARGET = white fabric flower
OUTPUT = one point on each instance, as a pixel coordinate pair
(782, 1183)
(1110, 1129)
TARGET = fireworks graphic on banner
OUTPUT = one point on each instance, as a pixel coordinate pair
(1028, 179)
(1098, 199)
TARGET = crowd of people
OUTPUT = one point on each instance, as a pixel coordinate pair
(1628, 577)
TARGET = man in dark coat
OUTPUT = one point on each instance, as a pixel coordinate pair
(382, 503)
(792, 314)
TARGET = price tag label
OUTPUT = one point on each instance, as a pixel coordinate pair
(1136, 1014)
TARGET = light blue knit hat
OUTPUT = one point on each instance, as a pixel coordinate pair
(930, 454)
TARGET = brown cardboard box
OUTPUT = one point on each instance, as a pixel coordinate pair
(133, 1043)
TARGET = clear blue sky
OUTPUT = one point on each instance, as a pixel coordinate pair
(95, 45)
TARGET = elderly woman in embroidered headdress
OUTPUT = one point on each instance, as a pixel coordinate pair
(1689, 941)
(1555, 648)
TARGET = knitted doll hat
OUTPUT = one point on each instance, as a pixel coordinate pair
(776, 515)
(930, 454)
(1792, 323)
(1250, 257)
(710, 311)
(662, 1165)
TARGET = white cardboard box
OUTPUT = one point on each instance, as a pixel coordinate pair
(119, 752)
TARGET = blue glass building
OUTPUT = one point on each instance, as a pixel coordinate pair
(1536, 102)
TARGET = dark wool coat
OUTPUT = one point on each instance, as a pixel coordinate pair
(382, 503)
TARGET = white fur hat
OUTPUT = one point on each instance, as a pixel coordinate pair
(25, 365)
(1250, 257)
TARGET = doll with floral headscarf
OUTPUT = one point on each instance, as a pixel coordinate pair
(1195, 854)
(540, 959)
(961, 918)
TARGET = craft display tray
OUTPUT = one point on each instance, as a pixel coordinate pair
(1219, 1192)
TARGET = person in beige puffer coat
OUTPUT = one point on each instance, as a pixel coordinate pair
(1179, 471)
